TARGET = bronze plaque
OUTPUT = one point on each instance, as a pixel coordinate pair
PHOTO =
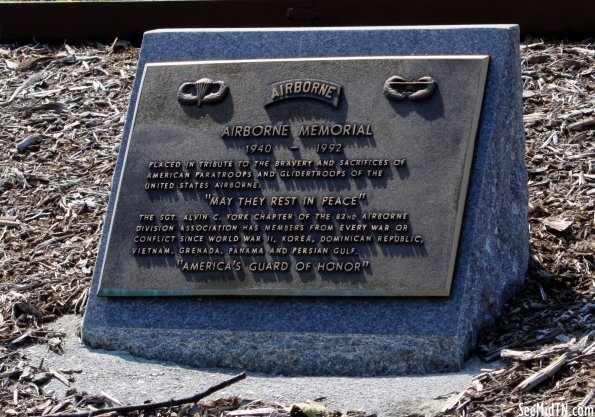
(305, 177)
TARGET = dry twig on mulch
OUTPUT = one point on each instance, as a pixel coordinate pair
(62, 111)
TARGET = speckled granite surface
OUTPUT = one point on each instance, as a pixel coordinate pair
(337, 335)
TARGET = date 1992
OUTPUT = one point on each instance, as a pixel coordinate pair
(329, 148)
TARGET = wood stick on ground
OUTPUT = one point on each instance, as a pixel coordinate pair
(59, 377)
(266, 411)
(5, 221)
(587, 400)
(519, 355)
(31, 80)
(453, 401)
(151, 406)
(540, 376)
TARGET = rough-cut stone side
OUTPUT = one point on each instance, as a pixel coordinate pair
(286, 353)
(337, 335)
(495, 252)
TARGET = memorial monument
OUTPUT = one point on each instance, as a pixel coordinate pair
(315, 201)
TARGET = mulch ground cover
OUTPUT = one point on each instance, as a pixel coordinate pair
(62, 109)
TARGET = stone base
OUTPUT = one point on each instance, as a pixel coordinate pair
(289, 353)
(348, 336)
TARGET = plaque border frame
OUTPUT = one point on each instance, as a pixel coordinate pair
(460, 208)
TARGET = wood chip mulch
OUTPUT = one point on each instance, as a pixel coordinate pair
(62, 109)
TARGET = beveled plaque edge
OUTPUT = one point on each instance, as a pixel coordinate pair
(445, 292)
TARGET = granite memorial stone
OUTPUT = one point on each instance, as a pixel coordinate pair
(343, 201)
